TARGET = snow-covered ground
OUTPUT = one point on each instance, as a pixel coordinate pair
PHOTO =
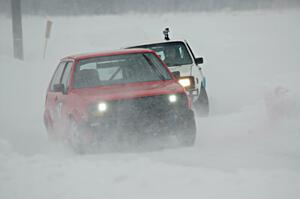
(249, 147)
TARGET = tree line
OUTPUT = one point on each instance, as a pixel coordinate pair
(98, 7)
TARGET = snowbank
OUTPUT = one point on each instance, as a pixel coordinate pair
(248, 147)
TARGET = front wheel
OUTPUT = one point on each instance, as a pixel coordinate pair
(201, 105)
(78, 138)
(186, 132)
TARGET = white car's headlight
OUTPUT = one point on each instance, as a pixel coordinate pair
(185, 82)
(102, 107)
(172, 98)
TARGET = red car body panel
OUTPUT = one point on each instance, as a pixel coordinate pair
(126, 91)
(108, 53)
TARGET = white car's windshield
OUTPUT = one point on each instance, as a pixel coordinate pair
(119, 69)
(172, 53)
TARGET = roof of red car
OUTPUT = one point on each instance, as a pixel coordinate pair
(108, 53)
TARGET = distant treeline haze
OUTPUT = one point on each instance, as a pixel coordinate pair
(96, 7)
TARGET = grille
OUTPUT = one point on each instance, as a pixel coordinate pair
(148, 109)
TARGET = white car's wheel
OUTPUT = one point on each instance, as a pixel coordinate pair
(202, 104)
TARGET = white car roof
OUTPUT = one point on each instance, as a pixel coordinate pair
(156, 42)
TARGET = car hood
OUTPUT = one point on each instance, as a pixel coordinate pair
(127, 91)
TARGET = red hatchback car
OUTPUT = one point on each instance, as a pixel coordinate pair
(127, 95)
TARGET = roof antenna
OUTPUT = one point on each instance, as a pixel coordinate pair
(166, 34)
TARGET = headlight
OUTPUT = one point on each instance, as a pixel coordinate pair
(172, 98)
(185, 82)
(102, 107)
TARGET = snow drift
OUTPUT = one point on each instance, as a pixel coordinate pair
(247, 148)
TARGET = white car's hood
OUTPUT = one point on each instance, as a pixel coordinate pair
(185, 70)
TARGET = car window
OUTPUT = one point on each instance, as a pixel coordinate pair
(105, 73)
(57, 75)
(157, 64)
(172, 53)
(66, 76)
(119, 69)
(160, 53)
(91, 65)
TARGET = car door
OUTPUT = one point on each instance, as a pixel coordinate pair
(55, 98)
(63, 99)
(196, 70)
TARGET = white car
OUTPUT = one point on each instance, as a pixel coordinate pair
(178, 55)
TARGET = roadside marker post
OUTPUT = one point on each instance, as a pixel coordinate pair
(47, 36)
(16, 16)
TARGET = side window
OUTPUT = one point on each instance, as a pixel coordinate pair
(57, 75)
(66, 76)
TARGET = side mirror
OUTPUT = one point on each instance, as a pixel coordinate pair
(59, 88)
(199, 60)
(176, 74)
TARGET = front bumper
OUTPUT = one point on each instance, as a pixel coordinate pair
(140, 117)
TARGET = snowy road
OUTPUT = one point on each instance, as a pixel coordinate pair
(249, 147)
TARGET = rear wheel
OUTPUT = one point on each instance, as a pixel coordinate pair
(50, 130)
(202, 104)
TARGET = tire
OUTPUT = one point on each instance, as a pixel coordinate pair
(75, 137)
(50, 130)
(186, 132)
(202, 104)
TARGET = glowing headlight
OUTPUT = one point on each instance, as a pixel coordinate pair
(102, 107)
(172, 98)
(185, 82)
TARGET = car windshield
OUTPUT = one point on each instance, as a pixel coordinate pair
(119, 69)
(172, 53)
